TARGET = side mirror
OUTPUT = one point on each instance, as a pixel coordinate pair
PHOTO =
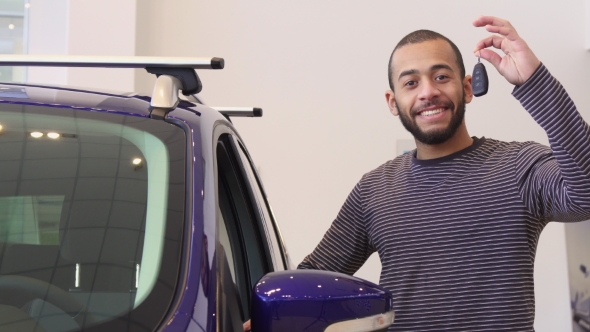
(312, 300)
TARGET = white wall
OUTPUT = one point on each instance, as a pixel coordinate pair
(318, 68)
(64, 27)
(48, 26)
(105, 27)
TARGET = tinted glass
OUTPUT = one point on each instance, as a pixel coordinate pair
(272, 234)
(91, 215)
(241, 245)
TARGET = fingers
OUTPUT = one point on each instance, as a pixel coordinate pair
(491, 20)
(518, 63)
(505, 32)
(482, 51)
(509, 33)
(496, 25)
(490, 41)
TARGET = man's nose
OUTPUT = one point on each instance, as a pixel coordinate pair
(428, 90)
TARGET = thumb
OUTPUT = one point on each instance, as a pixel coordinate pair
(491, 56)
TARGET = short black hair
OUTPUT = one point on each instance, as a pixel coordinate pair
(420, 36)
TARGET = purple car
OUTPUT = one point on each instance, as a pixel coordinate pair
(122, 212)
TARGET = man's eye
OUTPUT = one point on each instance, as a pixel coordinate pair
(410, 83)
(441, 77)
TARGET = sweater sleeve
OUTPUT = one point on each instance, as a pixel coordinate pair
(345, 246)
(554, 183)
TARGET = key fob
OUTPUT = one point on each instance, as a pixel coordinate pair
(479, 80)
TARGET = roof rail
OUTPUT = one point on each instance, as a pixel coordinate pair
(227, 112)
(174, 73)
(240, 111)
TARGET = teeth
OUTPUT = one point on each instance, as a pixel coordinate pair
(431, 112)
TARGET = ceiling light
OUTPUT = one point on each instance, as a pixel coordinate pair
(53, 135)
(27, 5)
(11, 26)
(136, 161)
(1, 127)
(36, 134)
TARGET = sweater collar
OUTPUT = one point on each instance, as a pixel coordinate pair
(477, 142)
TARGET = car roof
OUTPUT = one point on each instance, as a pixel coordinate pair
(129, 103)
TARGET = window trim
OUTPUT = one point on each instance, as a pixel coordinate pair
(239, 252)
(236, 145)
(220, 129)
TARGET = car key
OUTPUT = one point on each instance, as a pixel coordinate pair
(479, 79)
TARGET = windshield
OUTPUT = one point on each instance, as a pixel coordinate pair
(91, 215)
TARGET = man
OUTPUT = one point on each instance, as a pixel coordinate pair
(456, 222)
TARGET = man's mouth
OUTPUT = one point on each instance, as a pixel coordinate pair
(431, 112)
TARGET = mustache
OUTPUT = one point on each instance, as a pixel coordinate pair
(441, 104)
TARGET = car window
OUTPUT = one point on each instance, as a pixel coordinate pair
(241, 246)
(89, 208)
(272, 234)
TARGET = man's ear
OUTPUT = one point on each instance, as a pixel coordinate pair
(390, 98)
(468, 88)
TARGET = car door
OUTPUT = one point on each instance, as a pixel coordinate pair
(247, 248)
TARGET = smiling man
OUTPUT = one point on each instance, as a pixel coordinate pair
(456, 222)
(432, 92)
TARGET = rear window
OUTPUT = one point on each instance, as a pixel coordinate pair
(91, 218)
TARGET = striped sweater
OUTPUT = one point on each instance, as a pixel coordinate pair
(457, 235)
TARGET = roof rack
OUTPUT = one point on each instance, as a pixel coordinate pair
(174, 73)
(253, 112)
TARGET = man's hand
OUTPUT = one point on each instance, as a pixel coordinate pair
(247, 327)
(518, 63)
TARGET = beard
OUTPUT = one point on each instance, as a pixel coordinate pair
(434, 136)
